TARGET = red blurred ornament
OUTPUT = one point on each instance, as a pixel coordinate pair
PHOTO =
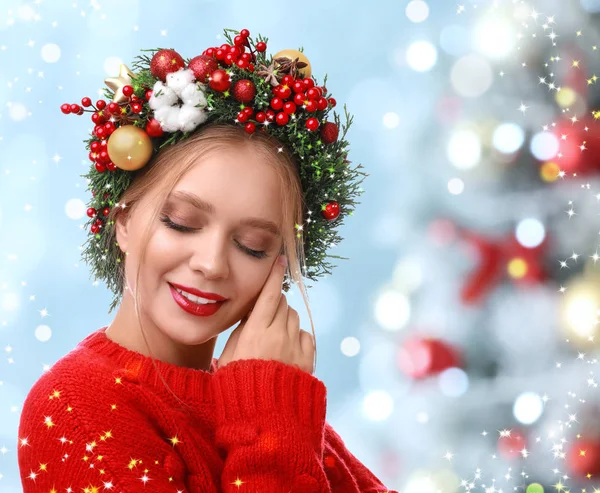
(153, 128)
(583, 458)
(510, 447)
(580, 151)
(422, 357)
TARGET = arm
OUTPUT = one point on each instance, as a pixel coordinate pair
(88, 434)
(271, 423)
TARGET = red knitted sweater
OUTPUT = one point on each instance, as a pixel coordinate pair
(101, 420)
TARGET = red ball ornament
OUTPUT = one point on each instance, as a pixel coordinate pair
(583, 458)
(282, 118)
(331, 210)
(203, 66)
(244, 91)
(153, 128)
(106, 211)
(220, 80)
(510, 447)
(329, 132)
(312, 124)
(94, 229)
(165, 62)
(91, 212)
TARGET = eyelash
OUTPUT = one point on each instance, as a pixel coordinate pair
(184, 229)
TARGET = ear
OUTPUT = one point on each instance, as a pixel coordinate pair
(121, 231)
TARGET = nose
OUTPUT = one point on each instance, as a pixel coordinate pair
(209, 254)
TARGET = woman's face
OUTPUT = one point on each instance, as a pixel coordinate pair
(223, 253)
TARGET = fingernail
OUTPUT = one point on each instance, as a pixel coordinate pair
(283, 260)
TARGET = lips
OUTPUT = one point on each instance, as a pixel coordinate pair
(202, 310)
(200, 294)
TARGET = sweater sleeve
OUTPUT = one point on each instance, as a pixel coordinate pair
(270, 420)
(86, 435)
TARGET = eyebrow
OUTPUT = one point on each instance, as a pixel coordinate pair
(202, 205)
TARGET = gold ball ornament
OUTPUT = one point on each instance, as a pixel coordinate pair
(129, 148)
(292, 55)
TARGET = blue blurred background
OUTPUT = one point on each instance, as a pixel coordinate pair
(459, 343)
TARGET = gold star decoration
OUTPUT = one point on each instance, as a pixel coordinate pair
(117, 83)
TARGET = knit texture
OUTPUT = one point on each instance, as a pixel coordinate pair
(102, 420)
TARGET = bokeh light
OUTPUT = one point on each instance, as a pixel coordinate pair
(508, 138)
(530, 232)
(421, 56)
(528, 408)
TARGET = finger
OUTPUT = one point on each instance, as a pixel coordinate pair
(268, 300)
(280, 318)
(307, 343)
(293, 323)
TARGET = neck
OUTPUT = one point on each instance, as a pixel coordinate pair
(126, 331)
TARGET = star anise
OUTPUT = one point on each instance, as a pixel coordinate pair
(269, 74)
(289, 66)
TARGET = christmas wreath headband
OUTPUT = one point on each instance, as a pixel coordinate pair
(168, 97)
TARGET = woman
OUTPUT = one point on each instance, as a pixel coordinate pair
(143, 405)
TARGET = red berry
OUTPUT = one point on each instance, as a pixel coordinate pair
(127, 91)
(282, 118)
(225, 47)
(91, 212)
(94, 229)
(251, 68)
(148, 94)
(110, 166)
(270, 115)
(86, 102)
(298, 86)
(322, 103)
(210, 52)
(92, 155)
(101, 133)
(276, 103)
(96, 118)
(153, 128)
(285, 92)
(75, 108)
(65, 108)
(243, 64)
(114, 108)
(261, 46)
(137, 107)
(106, 211)
(95, 146)
(239, 40)
(299, 98)
(248, 111)
(261, 116)
(250, 127)
(100, 168)
(332, 102)
(109, 127)
(245, 33)
(308, 82)
(312, 124)
(242, 117)
(101, 104)
(220, 54)
(311, 106)
(313, 93)
(289, 107)
(247, 57)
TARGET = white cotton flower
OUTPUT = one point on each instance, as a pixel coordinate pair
(193, 94)
(177, 81)
(162, 96)
(168, 117)
(190, 117)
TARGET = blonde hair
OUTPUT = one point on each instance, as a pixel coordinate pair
(158, 178)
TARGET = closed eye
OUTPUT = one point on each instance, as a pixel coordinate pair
(185, 229)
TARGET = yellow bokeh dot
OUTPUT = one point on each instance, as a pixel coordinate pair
(549, 171)
(517, 268)
(566, 97)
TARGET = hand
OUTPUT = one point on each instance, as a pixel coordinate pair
(271, 330)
